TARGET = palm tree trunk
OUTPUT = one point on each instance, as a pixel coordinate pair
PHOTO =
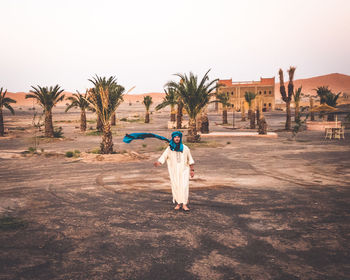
(113, 119)
(2, 130)
(233, 118)
(82, 120)
(257, 116)
(252, 119)
(243, 112)
(99, 124)
(199, 121)
(204, 123)
(224, 116)
(147, 117)
(288, 119)
(172, 114)
(297, 112)
(107, 141)
(179, 115)
(48, 124)
(192, 131)
(262, 129)
(311, 107)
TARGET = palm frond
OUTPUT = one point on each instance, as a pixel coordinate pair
(193, 95)
(249, 97)
(147, 101)
(9, 107)
(47, 97)
(297, 95)
(105, 96)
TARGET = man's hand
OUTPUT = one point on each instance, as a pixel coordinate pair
(157, 163)
(192, 173)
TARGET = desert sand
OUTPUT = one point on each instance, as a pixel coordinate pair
(261, 208)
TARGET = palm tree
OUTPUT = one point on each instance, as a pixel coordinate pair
(5, 102)
(287, 97)
(328, 97)
(47, 98)
(195, 96)
(322, 92)
(147, 101)
(223, 98)
(297, 97)
(170, 99)
(79, 100)
(249, 97)
(105, 97)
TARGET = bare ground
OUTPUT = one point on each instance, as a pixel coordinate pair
(260, 208)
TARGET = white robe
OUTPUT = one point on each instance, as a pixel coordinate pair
(179, 172)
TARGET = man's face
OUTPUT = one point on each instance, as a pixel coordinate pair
(177, 139)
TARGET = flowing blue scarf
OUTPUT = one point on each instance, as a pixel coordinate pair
(173, 146)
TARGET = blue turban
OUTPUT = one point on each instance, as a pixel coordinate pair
(173, 146)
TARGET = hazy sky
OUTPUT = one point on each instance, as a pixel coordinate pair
(144, 42)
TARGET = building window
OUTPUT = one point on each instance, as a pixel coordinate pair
(270, 92)
(260, 92)
(232, 93)
(264, 104)
(264, 91)
(270, 105)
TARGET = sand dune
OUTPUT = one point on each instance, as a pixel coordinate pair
(156, 97)
(336, 82)
(21, 101)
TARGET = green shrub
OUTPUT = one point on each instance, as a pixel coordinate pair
(123, 119)
(75, 153)
(57, 132)
(94, 133)
(161, 148)
(69, 154)
(32, 150)
(95, 151)
(11, 223)
(144, 145)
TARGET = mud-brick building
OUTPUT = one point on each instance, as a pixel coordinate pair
(264, 90)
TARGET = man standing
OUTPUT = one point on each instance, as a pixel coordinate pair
(180, 166)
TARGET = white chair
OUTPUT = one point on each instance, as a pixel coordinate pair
(328, 133)
(337, 133)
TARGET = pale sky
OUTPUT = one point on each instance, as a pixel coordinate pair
(142, 43)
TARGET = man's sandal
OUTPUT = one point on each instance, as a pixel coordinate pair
(177, 207)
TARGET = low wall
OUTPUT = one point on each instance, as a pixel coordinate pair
(320, 126)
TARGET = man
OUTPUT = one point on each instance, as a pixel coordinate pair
(181, 167)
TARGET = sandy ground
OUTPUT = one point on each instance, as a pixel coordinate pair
(261, 208)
